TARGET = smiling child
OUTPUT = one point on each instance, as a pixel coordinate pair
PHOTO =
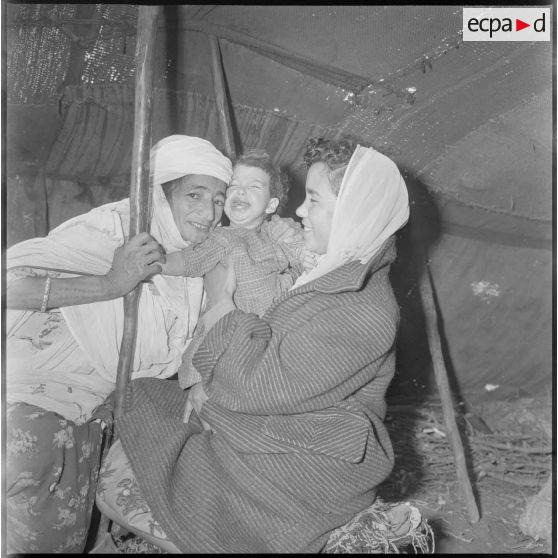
(265, 266)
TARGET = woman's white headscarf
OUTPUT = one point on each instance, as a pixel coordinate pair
(169, 306)
(372, 205)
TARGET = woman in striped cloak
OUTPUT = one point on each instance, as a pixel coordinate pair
(285, 441)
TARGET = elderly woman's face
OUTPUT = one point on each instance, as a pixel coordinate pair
(317, 210)
(197, 205)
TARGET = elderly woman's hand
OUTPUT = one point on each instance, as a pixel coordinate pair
(220, 283)
(194, 402)
(134, 261)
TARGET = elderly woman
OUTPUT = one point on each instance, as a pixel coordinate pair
(295, 399)
(64, 326)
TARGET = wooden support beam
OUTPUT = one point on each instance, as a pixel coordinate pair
(298, 62)
(442, 382)
(221, 100)
(139, 189)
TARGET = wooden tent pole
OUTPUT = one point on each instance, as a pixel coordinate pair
(442, 383)
(139, 220)
(221, 97)
(139, 187)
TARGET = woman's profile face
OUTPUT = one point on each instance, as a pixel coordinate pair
(317, 210)
(197, 205)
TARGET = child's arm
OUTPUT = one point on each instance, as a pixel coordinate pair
(174, 264)
(197, 259)
(288, 235)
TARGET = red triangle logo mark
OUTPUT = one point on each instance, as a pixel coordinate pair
(519, 24)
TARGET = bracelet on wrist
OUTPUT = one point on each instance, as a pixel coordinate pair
(46, 294)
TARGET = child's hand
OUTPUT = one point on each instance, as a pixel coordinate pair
(309, 259)
(284, 229)
(195, 401)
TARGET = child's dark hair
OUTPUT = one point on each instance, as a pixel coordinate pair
(336, 154)
(278, 180)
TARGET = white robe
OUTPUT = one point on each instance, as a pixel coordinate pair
(66, 360)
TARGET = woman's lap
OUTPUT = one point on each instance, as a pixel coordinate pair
(52, 466)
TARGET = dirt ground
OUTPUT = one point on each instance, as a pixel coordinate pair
(501, 498)
(497, 532)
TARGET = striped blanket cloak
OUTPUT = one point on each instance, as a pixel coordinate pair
(296, 404)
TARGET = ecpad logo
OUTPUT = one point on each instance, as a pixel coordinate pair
(506, 24)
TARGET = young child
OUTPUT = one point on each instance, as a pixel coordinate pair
(264, 266)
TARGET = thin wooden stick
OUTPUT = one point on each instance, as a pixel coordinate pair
(442, 382)
(139, 189)
(225, 121)
(518, 482)
(139, 213)
(543, 450)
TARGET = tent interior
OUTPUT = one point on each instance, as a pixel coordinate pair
(469, 124)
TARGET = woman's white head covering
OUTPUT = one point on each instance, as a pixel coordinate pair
(372, 204)
(174, 157)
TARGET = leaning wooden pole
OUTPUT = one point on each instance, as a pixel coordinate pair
(442, 383)
(225, 121)
(139, 187)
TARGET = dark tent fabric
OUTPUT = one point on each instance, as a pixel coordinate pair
(469, 124)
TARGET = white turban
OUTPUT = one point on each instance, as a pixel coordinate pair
(177, 156)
